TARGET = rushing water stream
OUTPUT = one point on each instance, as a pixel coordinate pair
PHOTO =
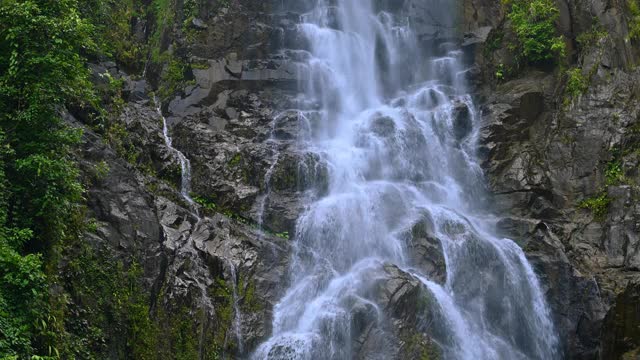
(399, 133)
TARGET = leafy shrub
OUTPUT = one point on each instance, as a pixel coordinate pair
(634, 22)
(534, 24)
(599, 205)
(577, 84)
(613, 173)
(591, 37)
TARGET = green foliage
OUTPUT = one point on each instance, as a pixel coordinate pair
(599, 205)
(106, 308)
(172, 78)
(222, 295)
(207, 203)
(235, 160)
(164, 18)
(577, 84)
(494, 42)
(500, 72)
(41, 71)
(420, 348)
(613, 173)
(591, 37)
(22, 295)
(112, 93)
(190, 11)
(634, 21)
(59, 298)
(200, 65)
(101, 170)
(114, 22)
(121, 141)
(534, 24)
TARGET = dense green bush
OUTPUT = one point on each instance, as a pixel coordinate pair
(533, 22)
(59, 297)
(43, 49)
(41, 70)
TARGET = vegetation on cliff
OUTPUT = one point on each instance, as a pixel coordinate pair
(51, 307)
(41, 70)
(533, 22)
(61, 297)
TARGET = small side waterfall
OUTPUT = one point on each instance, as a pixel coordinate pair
(398, 130)
(237, 314)
(262, 201)
(185, 165)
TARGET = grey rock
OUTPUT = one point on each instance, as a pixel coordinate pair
(199, 24)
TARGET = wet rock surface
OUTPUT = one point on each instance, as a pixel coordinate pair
(543, 158)
(561, 170)
(185, 258)
(409, 309)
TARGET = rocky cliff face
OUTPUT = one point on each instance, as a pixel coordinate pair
(561, 171)
(562, 167)
(215, 267)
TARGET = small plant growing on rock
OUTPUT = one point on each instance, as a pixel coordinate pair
(613, 173)
(592, 37)
(500, 72)
(207, 203)
(235, 160)
(577, 84)
(101, 170)
(599, 205)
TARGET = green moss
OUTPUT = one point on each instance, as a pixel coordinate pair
(222, 295)
(235, 160)
(250, 303)
(106, 309)
(567, 139)
(207, 203)
(420, 348)
(185, 344)
(200, 65)
(181, 331)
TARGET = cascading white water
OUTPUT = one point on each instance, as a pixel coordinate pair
(237, 314)
(185, 165)
(398, 132)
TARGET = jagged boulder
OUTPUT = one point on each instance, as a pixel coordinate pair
(409, 310)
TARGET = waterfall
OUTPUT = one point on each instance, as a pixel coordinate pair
(398, 131)
(185, 165)
(237, 314)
